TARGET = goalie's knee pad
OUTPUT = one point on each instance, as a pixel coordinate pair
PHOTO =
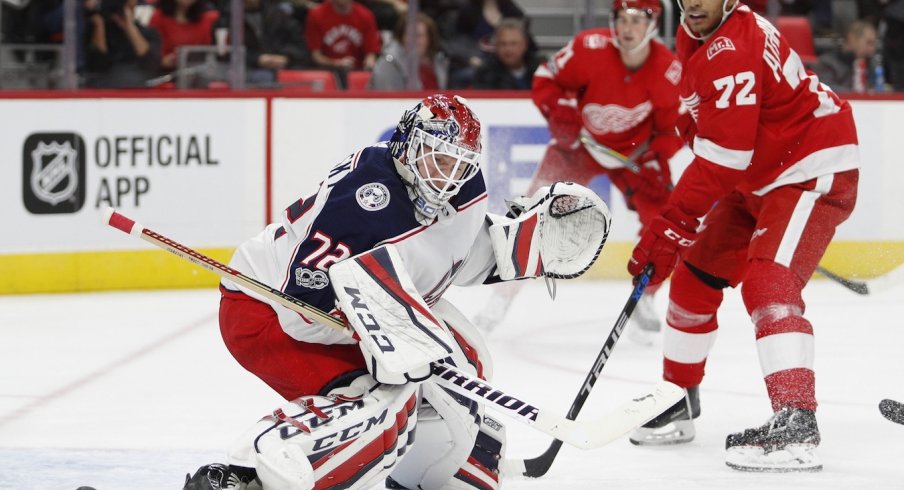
(352, 438)
(472, 349)
(481, 470)
(457, 446)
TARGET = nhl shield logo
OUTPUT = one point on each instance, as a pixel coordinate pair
(373, 196)
(53, 173)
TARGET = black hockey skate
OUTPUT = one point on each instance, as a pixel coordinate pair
(221, 477)
(674, 426)
(787, 442)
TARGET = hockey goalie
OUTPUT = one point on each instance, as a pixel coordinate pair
(390, 229)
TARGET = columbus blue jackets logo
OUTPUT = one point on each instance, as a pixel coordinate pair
(53, 173)
(373, 196)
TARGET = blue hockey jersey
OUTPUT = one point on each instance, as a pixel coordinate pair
(362, 204)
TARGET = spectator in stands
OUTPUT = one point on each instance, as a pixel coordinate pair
(471, 43)
(121, 52)
(818, 11)
(273, 41)
(513, 66)
(391, 69)
(182, 23)
(893, 43)
(342, 35)
(850, 68)
(387, 12)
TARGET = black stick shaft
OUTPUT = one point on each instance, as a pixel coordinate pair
(855, 286)
(537, 467)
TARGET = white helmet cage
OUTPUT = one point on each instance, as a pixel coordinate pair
(437, 147)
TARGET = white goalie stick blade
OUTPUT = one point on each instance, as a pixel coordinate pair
(387, 312)
(587, 434)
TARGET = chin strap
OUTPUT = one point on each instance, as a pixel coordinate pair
(425, 210)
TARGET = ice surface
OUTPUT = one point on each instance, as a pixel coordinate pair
(131, 390)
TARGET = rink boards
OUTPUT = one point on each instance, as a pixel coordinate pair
(211, 171)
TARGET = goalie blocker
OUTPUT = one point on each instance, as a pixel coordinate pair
(558, 232)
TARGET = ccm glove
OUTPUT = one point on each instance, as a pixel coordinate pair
(663, 243)
(565, 126)
(655, 181)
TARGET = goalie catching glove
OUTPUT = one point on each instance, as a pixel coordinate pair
(558, 232)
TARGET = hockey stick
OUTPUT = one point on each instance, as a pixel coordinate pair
(596, 146)
(855, 286)
(892, 410)
(870, 286)
(585, 435)
(538, 466)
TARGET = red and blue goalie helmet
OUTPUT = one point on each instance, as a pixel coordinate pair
(437, 149)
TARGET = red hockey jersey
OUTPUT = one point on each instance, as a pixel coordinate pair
(761, 120)
(336, 36)
(622, 109)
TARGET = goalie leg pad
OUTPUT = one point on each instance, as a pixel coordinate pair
(352, 438)
(447, 428)
(457, 446)
(558, 232)
(481, 470)
(472, 349)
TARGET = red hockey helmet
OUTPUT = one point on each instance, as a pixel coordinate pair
(436, 146)
(651, 8)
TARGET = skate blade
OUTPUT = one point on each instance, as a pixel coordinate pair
(678, 432)
(794, 458)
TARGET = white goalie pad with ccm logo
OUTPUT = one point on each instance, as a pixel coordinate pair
(399, 335)
(558, 232)
(351, 438)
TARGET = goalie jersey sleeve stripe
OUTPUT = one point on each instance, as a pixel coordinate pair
(379, 266)
(521, 251)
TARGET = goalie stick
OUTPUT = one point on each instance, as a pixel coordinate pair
(585, 435)
(538, 466)
(892, 410)
(870, 286)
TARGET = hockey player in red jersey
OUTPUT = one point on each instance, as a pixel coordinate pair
(775, 172)
(609, 90)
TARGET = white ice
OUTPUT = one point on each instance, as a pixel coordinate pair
(131, 390)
